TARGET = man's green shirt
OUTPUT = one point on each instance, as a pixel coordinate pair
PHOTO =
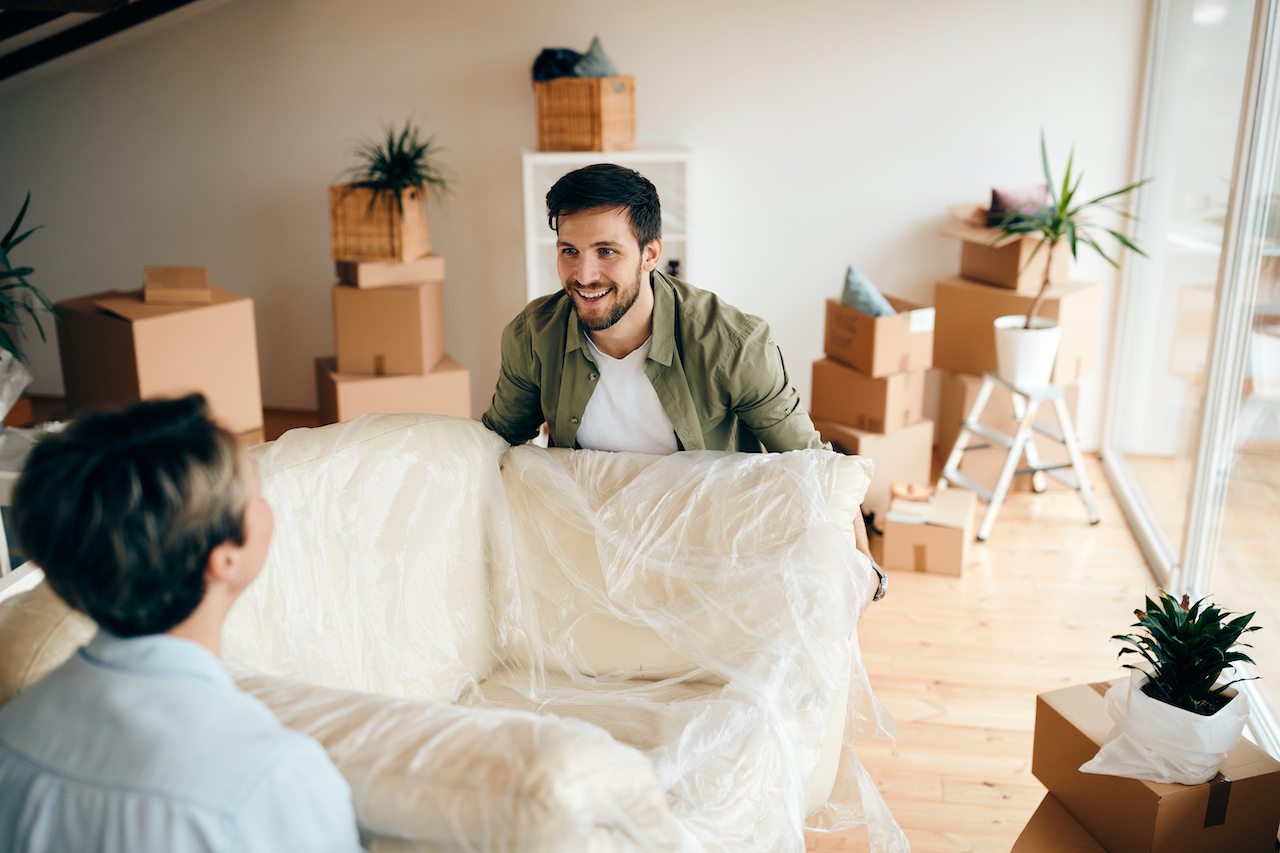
(720, 378)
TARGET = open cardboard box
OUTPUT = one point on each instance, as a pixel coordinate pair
(445, 390)
(1052, 829)
(879, 346)
(1005, 260)
(850, 397)
(964, 338)
(389, 331)
(1239, 811)
(385, 273)
(117, 349)
(931, 536)
(904, 456)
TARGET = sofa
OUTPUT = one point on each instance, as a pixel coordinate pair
(522, 649)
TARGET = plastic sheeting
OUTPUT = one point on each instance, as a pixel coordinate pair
(511, 606)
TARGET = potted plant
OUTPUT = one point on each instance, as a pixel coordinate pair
(14, 308)
(1026, 346)
(1176, 720)
(382, 214)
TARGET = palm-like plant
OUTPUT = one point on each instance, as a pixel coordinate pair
(1064, 219)
(13, 281)
(400, 161)
(1186, 647)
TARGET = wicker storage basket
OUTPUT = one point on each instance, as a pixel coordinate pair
(381, 233)
(586, 114)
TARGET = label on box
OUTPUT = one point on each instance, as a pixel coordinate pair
(922, 320)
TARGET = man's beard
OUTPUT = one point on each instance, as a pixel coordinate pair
(622, 304)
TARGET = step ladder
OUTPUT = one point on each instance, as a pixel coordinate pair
(1026, 402)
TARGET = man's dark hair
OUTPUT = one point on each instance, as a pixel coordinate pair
(123, 509)
(608, 185)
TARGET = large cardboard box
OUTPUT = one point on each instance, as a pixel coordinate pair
(1005, 260)
(1052, 829)
(847, 396)
(879, 346)
(984, 462)
(1238, 812)
(445, 390)
(930, 537)
(964, 338)
(117, 349)
(900, 457)
(389, 331)
(384, 273)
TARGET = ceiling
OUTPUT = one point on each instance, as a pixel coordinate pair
(33, 32)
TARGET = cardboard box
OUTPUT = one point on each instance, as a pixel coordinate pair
(879, 346)
(1238, 812)
(1052, 829)
(930, 537)
(902, 456)
(383, 273)
(984, 462)
(117, 349)
(846, 396)
(176, 286)
(1005, 260)
(964, 338)
(446, 390)
(389, 331)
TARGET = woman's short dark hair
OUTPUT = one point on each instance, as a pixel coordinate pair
(606, 185)
(123, 509)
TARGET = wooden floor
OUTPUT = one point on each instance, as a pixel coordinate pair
(959, 661)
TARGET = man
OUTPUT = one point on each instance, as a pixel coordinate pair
(151, 522)
(626, 358)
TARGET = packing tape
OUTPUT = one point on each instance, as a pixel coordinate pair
(920, 557)
(1215, 812)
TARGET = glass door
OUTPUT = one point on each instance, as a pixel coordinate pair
(1197, 60)
(1204, 497)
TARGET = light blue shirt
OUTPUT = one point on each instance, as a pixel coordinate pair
(146, 744)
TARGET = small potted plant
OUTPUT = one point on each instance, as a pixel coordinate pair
(382, 214)
(14, 309)
(1176, 720)
(1026, 346)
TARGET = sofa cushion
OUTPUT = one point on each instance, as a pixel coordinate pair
(425, 776)
(378, 574)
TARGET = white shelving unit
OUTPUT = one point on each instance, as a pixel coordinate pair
(667, 167)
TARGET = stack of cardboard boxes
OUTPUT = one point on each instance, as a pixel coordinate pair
(1086, 813)
(389, 333)
(177, 335)
(868, 394)
(1000, 276)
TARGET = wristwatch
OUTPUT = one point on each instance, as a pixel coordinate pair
(883, 586)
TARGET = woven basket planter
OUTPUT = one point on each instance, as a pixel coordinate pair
(380, 233)
(586, 114)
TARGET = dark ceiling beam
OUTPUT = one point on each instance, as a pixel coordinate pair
(92, 7)
(16, 23)
(92, 30)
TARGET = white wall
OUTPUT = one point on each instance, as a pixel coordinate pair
(828, 133)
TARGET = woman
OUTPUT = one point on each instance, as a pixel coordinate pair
(151, 522)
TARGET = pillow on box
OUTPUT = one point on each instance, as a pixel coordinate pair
(861, 295)
(555, 62)
(1022, 199)
(595, 63)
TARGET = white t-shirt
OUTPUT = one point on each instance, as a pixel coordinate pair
(624, 412)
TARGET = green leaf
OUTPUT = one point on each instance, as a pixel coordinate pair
(17, 223)
(24, 236)
(1048, 175)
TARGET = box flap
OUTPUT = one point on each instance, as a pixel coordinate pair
(908, 512)
(192, 277)
(1052, 829)
(993, 237)
(952, 507)
(130, 305)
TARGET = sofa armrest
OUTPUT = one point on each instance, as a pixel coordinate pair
(496, 779)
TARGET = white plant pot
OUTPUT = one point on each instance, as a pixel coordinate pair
(1025, 357)
(1161, 743)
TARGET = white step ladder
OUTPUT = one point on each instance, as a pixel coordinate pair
(1026, 402)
